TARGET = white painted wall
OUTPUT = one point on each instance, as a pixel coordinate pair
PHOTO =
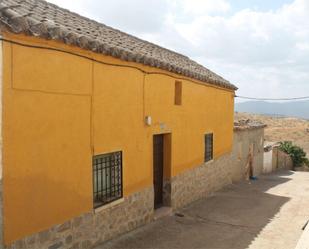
(268, 162)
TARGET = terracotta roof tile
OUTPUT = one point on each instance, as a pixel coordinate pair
(42, 19)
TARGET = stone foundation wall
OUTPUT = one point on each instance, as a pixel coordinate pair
(199, 182)
(90, 229)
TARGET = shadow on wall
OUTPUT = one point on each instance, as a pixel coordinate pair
(232, 218)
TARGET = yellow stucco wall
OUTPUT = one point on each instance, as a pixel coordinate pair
(60, 109)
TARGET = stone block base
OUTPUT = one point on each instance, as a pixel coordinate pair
(199, 182)
(91, 229)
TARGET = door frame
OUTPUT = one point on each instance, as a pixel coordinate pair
(167, 169)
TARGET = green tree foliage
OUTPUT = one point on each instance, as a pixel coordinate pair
(297, 154)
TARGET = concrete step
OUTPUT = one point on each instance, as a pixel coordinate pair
(162, 212)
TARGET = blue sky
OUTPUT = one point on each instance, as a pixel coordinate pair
(262, 46)
(260, 5)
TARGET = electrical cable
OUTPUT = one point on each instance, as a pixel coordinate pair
(110, 64)
(143, 71)
(273, 99)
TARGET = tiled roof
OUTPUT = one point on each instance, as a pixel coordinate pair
(42, 19)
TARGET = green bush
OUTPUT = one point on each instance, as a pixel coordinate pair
(297, 154)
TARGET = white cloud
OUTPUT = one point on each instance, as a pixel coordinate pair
(265, 53)
(303, 46)
(136, 16)
(198, 7)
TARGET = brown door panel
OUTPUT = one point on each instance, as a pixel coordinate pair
(158, 159)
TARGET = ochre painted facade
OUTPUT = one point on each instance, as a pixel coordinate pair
(60, 109)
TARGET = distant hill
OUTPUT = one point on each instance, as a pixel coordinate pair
(298, 109)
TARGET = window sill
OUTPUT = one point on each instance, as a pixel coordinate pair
(108, 206)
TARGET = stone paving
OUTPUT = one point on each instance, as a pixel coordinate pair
(267, 213)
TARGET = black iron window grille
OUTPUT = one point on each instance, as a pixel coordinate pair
(208, 147)
(107, 178)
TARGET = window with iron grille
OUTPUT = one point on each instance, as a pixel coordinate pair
(208, 147)
(107, 178)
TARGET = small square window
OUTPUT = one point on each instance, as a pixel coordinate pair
(208, 147)
(107, 178)
(178, 93)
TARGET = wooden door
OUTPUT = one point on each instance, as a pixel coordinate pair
(158, 144)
